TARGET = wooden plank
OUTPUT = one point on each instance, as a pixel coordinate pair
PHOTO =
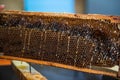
(94, 70)
(4, 62)
(26, 72)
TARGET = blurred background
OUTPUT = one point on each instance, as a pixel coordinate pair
(108, 7)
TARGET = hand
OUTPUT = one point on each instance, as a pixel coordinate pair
(2, 7)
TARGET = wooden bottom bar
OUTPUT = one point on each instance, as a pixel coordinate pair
(93, 70)
(4, 62)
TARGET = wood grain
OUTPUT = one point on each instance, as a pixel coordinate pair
(22, 70)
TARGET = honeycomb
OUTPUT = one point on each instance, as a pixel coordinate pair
(71, 41)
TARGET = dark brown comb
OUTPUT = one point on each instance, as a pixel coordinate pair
(72, 41)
